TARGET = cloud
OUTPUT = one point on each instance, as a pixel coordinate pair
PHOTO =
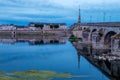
(54, 10)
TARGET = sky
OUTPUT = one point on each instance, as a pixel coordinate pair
(22, 12)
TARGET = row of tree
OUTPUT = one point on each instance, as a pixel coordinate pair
(54, 26)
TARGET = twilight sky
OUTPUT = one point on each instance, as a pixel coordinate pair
(23, 11)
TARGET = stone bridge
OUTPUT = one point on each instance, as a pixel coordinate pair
(98, 31)
(101, 32)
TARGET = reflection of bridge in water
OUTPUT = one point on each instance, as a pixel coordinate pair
(35, 40)
(101, 58)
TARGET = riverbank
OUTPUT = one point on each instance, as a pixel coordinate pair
(34, 33)
(33, 75)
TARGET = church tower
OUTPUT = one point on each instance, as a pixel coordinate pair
(79, 17)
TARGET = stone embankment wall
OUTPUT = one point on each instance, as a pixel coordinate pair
(32, 33)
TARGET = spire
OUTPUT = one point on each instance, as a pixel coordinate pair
(79, 17)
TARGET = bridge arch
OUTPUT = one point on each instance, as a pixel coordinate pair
(94, 30)
(107, 38)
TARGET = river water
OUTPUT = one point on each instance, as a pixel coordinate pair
(58, 57)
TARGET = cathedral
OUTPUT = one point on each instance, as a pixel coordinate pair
(76, 27)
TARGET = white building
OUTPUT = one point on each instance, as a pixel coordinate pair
(62, 26)
(7, 27)
(32, 28)
(48, 26)
(22, 28)
(36, 26)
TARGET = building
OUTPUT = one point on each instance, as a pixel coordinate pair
(76, 28)
(7, 27)
(47, 26)
(22, 28)
(34, 27)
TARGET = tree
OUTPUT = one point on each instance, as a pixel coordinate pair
(51, 26)
(39, 26)
(54, 26)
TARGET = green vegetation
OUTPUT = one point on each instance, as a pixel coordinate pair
(8, 78)
(33, 75)
(54, 26)
(72, 38)
(39, 26)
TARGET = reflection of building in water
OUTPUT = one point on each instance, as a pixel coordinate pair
(48, 41)
(99, 57)
(7, 41)
(111, 68)
(78, 54)
(36, 40)
(116, 44)
(82, 46)
(79, 47)
(105, 63)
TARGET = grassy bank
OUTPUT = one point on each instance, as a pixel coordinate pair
(33, 75)
(72, 38)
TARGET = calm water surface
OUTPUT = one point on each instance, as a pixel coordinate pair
(56, 57)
